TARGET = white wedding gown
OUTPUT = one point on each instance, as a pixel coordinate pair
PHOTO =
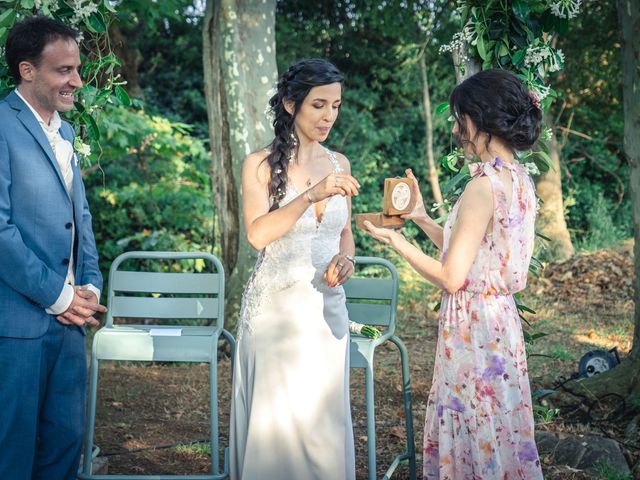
(290, 413)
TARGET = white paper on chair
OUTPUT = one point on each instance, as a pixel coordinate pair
(165, 332)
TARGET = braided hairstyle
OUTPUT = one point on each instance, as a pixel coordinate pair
(293, 86)
(499, 105)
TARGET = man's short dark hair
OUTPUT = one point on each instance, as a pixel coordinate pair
(27, 40)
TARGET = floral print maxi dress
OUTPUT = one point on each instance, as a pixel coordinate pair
(479, 422)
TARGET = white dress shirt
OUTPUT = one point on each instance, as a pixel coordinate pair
(63, 151)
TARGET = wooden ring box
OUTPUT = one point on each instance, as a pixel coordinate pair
(398, 200)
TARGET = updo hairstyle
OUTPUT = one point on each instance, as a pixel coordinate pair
(499, 105)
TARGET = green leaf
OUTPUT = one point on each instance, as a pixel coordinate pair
(518, 57)
(442, 108)
(3, 35)
(123, 96)
(543, 237)
(521, 10)
(524, 308)
(95, 23)
(543, 161)
(27, 4)
(462, 176)
(7, 18)
(107, 4)
(504, 50)
(481, 49)
(92, 126)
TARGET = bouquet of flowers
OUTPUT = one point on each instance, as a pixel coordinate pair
(368, 331)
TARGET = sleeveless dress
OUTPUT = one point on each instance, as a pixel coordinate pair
(290, 411)
(479, 422)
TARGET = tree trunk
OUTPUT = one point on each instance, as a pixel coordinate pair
(464, 65)
(431, 164)
(551, 221)
(131, 59)
(623, 380)
(629, 18)
(239, 70)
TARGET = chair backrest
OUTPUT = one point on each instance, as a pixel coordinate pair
(166, 296)
(372, 293)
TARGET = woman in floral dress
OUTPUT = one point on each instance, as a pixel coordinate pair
(479, 422)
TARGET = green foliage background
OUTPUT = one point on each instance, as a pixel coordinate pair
(149, 186)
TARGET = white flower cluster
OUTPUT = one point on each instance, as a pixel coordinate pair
(46, 5)
(542, 91)
(468, 35)
(566, 8)
(544, 55)
(532, 168)
(82, 9)
(81, 148)
(546, 134)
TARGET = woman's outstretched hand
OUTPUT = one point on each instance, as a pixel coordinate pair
(419, 212)
(333, 184)
(385, 235)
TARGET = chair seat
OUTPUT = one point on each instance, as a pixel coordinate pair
(362, 350)
(157, 343)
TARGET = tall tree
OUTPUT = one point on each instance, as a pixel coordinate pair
(629, 15)
(239, 71)
(428, 127)
(551, 221)
(624, 380)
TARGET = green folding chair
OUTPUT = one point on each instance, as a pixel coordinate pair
(143, 294)
(373, 301)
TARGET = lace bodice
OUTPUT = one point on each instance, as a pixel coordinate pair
(300, 255)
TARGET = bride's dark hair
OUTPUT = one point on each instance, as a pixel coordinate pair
(294, 86)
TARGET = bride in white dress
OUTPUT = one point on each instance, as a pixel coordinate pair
(290, 414)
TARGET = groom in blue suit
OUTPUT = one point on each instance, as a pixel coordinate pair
(49, 277)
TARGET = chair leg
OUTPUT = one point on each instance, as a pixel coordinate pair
(371, 421)
(213, 395)
(408, 415)
(91, 417)
(231, 341)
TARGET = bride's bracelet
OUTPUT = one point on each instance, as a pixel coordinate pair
(350, 258)
(308, 196)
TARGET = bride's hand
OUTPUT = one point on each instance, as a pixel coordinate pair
(338, 271)
(419, 211)
(333, 184)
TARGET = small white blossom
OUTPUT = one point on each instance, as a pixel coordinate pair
(566, 8)
(82, 9)
(81, 148)
(468, 35)
(543, 57)
(532, 168)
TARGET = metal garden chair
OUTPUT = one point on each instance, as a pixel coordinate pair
(373, 301)
(170, 297)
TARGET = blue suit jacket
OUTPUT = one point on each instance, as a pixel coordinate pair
(36, 212)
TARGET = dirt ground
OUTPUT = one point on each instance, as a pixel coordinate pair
(151, 417)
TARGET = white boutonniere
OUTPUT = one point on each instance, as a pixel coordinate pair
(80, 148)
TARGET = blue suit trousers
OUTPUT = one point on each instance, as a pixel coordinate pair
(42, 397)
